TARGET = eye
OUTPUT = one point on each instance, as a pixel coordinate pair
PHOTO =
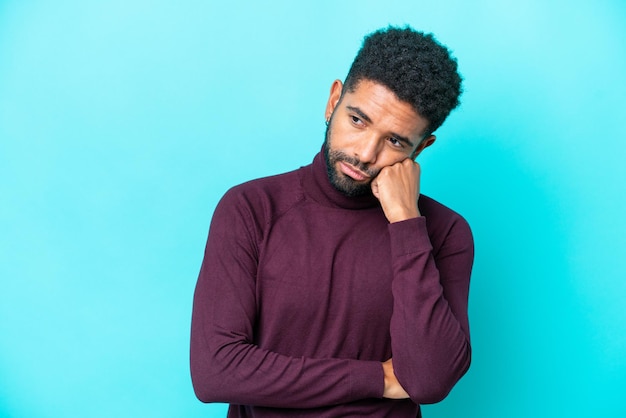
(395, 142)
(356, 120)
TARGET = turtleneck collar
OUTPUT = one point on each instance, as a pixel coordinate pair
(317, 185)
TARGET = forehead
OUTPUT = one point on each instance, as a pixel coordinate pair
(382, 106)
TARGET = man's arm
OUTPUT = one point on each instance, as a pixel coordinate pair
(429, 326)
(226, 364)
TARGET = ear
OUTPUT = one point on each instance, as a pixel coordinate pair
(333, 98)
(426, 142)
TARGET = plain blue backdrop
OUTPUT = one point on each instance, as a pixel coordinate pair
(123, 122)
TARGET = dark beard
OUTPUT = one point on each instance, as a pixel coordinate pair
(341, 182)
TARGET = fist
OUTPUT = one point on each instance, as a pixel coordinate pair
(397, 187)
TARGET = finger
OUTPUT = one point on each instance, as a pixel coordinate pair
(374, 186)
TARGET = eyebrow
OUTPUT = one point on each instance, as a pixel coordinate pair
(367, 119)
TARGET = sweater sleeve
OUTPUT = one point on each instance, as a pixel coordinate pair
(226, 364)
(429, 326)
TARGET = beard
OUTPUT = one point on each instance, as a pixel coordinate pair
(345, 184)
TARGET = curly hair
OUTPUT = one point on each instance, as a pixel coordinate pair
(415, 66)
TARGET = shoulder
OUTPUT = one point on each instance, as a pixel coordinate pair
(443, 223)
(437, 211)
(278, 187)
(265, 197)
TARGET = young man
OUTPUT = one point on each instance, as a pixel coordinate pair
(338, 290)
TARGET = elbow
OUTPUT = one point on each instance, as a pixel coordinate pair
(212, 368)
(435, 386)
(207, 377)
(209, 387)
(206, 395)
(433, 393)
(215, 375)
(202, 384)
(202, 394)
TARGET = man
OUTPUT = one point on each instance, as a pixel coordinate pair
(338, 290)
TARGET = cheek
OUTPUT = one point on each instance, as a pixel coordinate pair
(390, 157)
(343, 137)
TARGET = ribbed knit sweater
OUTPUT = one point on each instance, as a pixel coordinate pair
(303, 292)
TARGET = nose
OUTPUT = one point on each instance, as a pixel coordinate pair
(367, 149)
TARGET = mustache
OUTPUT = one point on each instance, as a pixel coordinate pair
(341, 156)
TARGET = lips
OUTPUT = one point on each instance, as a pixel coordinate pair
(352, 172)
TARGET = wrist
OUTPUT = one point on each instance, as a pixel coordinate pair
(403, 215)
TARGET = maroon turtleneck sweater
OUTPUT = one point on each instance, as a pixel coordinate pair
(303, 292)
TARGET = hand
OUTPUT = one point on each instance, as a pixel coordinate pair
(393, 389)
(397, 187)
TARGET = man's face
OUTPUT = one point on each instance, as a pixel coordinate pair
(369, 129)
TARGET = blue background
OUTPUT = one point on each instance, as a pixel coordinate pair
(123, 122)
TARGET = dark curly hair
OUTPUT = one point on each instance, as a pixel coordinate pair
(415, 66)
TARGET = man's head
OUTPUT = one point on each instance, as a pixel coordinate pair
(413, 65)
(401, 87)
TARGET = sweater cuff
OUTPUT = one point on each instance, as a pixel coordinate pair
(409, 236)
(367, 379)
